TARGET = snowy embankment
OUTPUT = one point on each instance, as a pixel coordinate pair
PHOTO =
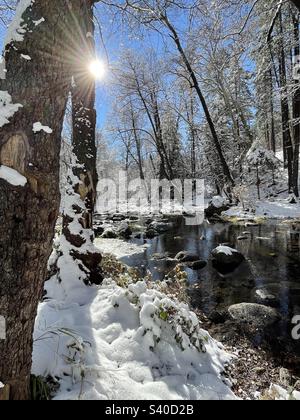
(127, 343)
(275, 209)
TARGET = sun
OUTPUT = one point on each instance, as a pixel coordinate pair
(97, 69)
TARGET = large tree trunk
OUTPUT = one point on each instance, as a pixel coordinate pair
(296, 112)
(285, 113)
(28, 213)
(78, 214)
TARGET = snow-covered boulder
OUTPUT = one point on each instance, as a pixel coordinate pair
(124, 231)
(226, 259)
(161, 227)
(216, 206)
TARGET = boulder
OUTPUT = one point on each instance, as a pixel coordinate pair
(161, 227)
(216, 207)
(186, 257)
(98, 230)
(151, 233)
(124, 231)
(226, 259)
(253, 314)
(197, 265)
(109, 233)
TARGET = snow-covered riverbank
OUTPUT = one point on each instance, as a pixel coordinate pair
(128, 343)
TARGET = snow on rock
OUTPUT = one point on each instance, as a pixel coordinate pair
(278, 393)
(7, 108)
(17, 28)
(12, 176)
(219, 202)
(225, 250)
(37, 127)
(119, 248)
(128, 343)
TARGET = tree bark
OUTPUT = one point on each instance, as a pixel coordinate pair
(286, 133)
(296, 112)
(28, 214)
(83, 180)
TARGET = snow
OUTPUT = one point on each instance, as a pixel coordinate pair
(37, 127)
(2, 69)
(1, 385)
(12, 176)
(7, 108)
(26, 57)
(225, 250)
(275, 209)
(280, 394)
(38, 22)
(119, 248)
(17, 28)
(130, 343)
(218, 201)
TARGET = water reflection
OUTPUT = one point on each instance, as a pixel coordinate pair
(272, 252)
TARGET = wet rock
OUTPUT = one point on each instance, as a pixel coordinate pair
(118, 217)
(109, 233)
(264, 296)
(134, 218)
(216, 207)
(243, 238)
(124, 231)
(197, 265)
(217, 317)
(258, 316)
(98, 231)
(226, 259)
(161, 227)
(186, 257)
(151, 233)
(270, 293)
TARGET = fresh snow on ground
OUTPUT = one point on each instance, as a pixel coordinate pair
(127, 343)
(275, 209)
(12, 176)
(40, 127)
(119, 248)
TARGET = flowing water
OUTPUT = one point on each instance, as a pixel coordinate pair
(272, 252)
